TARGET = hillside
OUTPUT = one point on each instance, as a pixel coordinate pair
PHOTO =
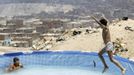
(94, 42)
(111, 8)
(32, 8)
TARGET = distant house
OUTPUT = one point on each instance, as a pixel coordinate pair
(20, 44)
(23, 39)
(5, 39)
(42, 29)
(6, 30)
(33, 22)
(25, 30)
(53, 24)
(47, 25)
(14, 23)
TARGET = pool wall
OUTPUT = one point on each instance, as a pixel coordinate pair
(65, 58)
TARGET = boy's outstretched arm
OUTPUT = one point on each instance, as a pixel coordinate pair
(101, 25)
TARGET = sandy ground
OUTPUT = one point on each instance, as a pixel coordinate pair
(92, 41)
(4, 49)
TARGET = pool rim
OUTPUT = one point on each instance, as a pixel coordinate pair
(11, 54)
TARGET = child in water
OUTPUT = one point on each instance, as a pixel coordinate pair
(16, 65)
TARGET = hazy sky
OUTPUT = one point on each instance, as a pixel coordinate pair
(34, 1)
(23, 1)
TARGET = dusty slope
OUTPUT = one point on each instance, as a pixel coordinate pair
(94, 42)
(4, 49)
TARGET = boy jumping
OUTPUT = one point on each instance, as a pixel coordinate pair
(109, 47)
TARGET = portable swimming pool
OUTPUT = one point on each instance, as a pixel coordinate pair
(62, 63)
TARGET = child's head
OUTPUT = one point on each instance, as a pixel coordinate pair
(103, 21)
(16, 60)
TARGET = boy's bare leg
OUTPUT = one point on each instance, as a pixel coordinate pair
(103, 60)
(110, 54)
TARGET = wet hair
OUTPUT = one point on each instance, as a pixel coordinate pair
(15, 59)
(103, 21)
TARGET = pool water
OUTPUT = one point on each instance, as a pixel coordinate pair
(63, 63)
(49, 70)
